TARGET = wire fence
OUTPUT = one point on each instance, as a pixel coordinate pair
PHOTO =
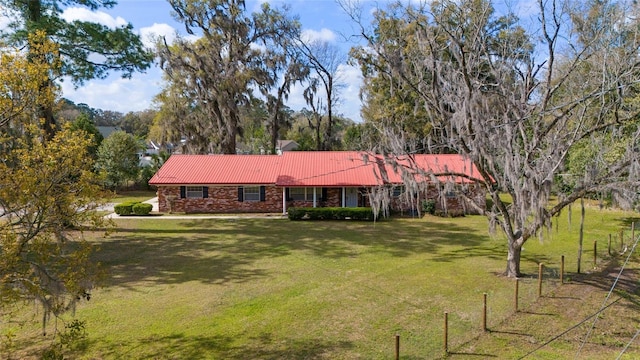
(554, 276)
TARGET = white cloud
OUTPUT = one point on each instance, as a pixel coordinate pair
(149, 34)
(350, 103)
(115, 93)
(324, 35)
(100, 17)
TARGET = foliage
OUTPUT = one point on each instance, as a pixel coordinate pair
(47, 190)
(84, 123)
(21, 77)
(72, 339)
(429, 207)
(330, 213)
(138, 123)
(87, 50)
(118, 159)
(523, 121)
(132, 208)
(141, 208)
(210, 79)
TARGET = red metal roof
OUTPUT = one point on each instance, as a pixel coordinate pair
(326, 168)
(308, 168)
(218, 169)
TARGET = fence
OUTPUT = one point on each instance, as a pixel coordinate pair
(621, 248)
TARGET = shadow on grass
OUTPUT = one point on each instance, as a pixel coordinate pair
(222, 347)
(225, 251)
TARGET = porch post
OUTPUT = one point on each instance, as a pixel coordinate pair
(284, 200)
(344, 197)
(314, 196)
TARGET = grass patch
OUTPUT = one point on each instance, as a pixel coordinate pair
(133, 196)
(276, 289)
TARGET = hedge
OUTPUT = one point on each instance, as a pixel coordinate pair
(132, 208)
(142, 208)
(331, 213)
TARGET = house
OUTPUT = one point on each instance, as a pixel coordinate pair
(286, 145)
(273, 183)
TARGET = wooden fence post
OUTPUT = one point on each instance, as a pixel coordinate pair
(621, 240)
(515, 298)
(562, 270)
(595, 253)
(397, 346)
(540, 267)
(446, 332)
(484, 312)
(609, 246)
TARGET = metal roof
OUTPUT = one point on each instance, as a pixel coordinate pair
(218, 169)
(311, 168)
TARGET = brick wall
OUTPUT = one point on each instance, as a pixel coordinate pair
(452, 203)
(222, 199)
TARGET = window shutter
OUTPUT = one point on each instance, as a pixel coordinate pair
(183, 192)
(205, 192)
(286, 194)
(324, 194)
(263, 193)
(240, 193)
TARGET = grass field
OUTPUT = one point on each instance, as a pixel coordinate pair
(275, 289)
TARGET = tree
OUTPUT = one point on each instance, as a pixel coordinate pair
(86, 50)
(213, 76)
(138, 123)
(324, 59)
(118, 159)
(83, 123)
(517, 117)
(47, 193)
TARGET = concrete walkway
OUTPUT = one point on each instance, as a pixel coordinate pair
(155, 209)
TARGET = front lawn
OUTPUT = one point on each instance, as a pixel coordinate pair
(277, 289)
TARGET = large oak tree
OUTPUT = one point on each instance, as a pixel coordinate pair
(518, 103)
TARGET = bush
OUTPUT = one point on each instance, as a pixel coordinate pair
(331, 213)
(132, 208)
(126, 208)
(142, 208)
(429, 207)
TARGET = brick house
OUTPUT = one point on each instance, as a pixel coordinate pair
(273, 183)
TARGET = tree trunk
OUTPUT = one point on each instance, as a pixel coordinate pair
(513, 259)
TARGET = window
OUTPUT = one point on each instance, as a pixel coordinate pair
(252, 193)
(297, 193)
(304, 194)
(398, 190)
(194, 192)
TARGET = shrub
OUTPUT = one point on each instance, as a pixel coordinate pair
(331, 213)
(429, 207)
(132, 208)
(142, 208)
(126, 208)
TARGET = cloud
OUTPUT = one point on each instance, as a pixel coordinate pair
(350, 103)
(100, 17)
(115, 93)
(149, 34)
(324, 35)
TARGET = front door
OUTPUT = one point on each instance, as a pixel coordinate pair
(351, 197)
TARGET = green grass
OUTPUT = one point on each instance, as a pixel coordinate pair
(275, 289)
(133, 195)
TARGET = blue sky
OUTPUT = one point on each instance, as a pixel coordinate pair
(319, 18)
